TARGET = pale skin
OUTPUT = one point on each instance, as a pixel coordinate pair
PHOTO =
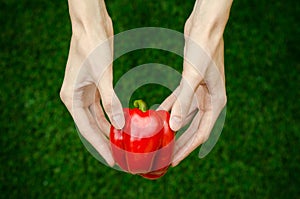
(203, 80)
(201, 91)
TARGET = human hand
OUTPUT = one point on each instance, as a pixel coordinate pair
(88, 75)
(201, 95)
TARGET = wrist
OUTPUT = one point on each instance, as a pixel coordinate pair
(205, 40)
(88, 17)
(209, 17)
(96, 33)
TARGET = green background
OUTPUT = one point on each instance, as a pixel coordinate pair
(257, 155)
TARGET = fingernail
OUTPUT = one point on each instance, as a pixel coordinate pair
(175, 123)
(160, 108)
(111, 162)
(119, 121)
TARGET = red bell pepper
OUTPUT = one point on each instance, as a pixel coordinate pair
(146, 143)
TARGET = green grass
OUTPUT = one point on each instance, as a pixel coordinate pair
(257, 155)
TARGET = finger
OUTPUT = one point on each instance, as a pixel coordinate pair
(110, 101)
(182, 105)
(182, 145)
(169, 101)
(194, 69)
(205, 127)
(182, 140)
(189, 117)
(99, 116)
(89, 130)
(216, 100)
(195, 106)
(215, 80)
(193, 139)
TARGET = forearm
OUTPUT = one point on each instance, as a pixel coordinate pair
(209, 18)
(87, 16)
(91, 25)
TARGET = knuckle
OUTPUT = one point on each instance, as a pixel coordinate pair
(192, 76)
(108, 107)
(201, 138)
(109, 21)
(110, 102)
(187, 26)
(205, 138)
(222, 100)
(65, 97)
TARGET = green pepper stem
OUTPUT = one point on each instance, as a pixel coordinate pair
(140, 104)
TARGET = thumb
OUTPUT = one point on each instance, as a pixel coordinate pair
(194, 68)
(181, 105)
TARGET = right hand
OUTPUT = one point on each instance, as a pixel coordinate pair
(88, 76)
(201, 95)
